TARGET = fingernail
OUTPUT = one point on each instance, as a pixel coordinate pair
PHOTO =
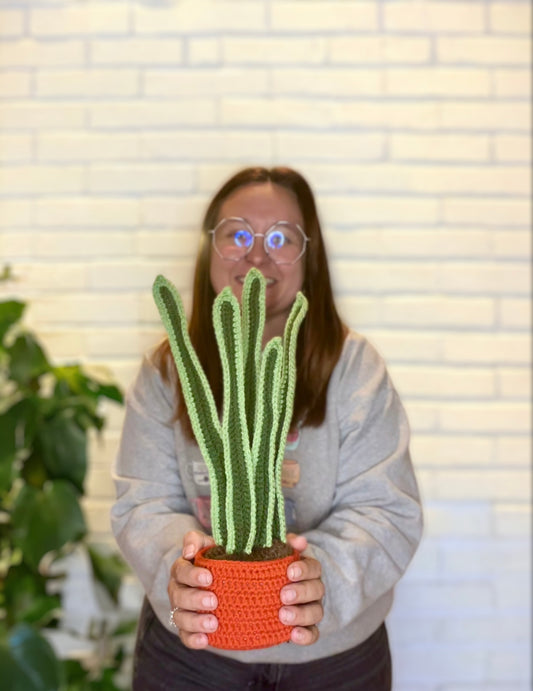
(209, 602)
(205, 578)
(188, 552)
(287, 616)
(295, 572)
(288, 596)
(297, 635)
(210, 624)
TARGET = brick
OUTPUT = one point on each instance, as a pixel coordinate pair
(451, 519)
(379, 49)
(139, 179)
(15, 148)
(207, 145)
(510, 18)
(403, 347)
(511, 244)
(62, 344)
(330, 146)
(32, 53)
(32, 180)
(511, 520)
(175, 244)
(41, 116)
(514, 450)
(437, 81)
(204, 51)
(439, 147)
(484, 485)
(452, 598)
(304, 16)
(87, 212)
(474, 558)
(82, 244)
(503, 212)
(261, 50)
(99, 484)
(514, 313)
(170, 114)
(327, 82)
(83, 308)
(500, 628)
(513, 591)
(275, 112)
(433, 311)
(96, 18)
(495, 278)
(200, 17)
(224, 81)
(511, 148)
(171, 212)
(366, 277)
(86, 146)
(434, 17)
(489, 417)
(488, 348)
(11, 23)
(423, 417)
(14, 84)
(15, 212)
(50, 278)
(137, 51)
(97, 515)
(359, 311)
(87, 83)
(452, 451)
(137, 275)
(512, 83)
(129, 341)
(443, 382)
(480, 115)
(514, 384)
(378, 209)
(507, 663)
(483, 50)
(15, 246)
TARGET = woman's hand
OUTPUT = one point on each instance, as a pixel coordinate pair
(185, 591)
(302, 599)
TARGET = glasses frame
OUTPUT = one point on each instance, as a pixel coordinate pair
(259, 235)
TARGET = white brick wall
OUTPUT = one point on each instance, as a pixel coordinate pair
(411, 118)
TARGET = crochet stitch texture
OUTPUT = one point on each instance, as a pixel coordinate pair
(244, 449)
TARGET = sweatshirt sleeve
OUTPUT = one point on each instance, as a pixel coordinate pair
(375, 523)
(151, 513)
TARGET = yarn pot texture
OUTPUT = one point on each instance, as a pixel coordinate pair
(248, 594)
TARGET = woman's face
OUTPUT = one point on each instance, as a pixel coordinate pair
(261, 205)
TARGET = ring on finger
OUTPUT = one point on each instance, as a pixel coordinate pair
(171, 621)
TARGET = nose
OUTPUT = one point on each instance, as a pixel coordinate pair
(257, 255)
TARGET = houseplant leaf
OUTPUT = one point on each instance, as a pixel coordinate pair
(10, 313)
(63, 445)
(28, 662)
(46, 519)
(27, 359)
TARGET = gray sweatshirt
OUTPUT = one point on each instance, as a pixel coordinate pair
(349, 487)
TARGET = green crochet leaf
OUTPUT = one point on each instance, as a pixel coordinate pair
(197, 395)
(253, 325)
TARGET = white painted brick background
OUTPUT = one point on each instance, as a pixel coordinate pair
(411, 119)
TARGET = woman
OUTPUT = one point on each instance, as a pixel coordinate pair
(350, 492)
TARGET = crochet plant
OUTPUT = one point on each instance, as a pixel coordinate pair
(244, 447)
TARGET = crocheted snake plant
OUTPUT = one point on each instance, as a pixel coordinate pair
(244, 449)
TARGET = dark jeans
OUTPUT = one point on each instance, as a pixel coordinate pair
(162, 663)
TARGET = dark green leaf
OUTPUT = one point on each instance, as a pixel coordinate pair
(26, 598)
(108, 569)
(45, 520)
(63, 446)
(17, 426)
(28, 662)
(10, 313)
(28, 360)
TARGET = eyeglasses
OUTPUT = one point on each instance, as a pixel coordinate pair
(234, 237)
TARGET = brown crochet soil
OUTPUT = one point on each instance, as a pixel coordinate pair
(277, 551)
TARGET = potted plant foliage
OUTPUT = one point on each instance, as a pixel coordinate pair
(46, 413)
(243, 449)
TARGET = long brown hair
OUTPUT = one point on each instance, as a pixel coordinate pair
(322, 334)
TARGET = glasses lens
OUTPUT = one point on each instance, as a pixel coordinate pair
(233, 238)
(285, 243)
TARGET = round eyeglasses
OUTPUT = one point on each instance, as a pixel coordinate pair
(234, 237)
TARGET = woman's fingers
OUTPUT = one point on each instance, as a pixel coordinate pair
(193, 542)
(304, 636)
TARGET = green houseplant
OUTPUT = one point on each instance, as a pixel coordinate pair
(244, 449)
(46, 413)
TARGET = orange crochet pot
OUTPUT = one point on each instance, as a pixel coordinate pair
(248, 594)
